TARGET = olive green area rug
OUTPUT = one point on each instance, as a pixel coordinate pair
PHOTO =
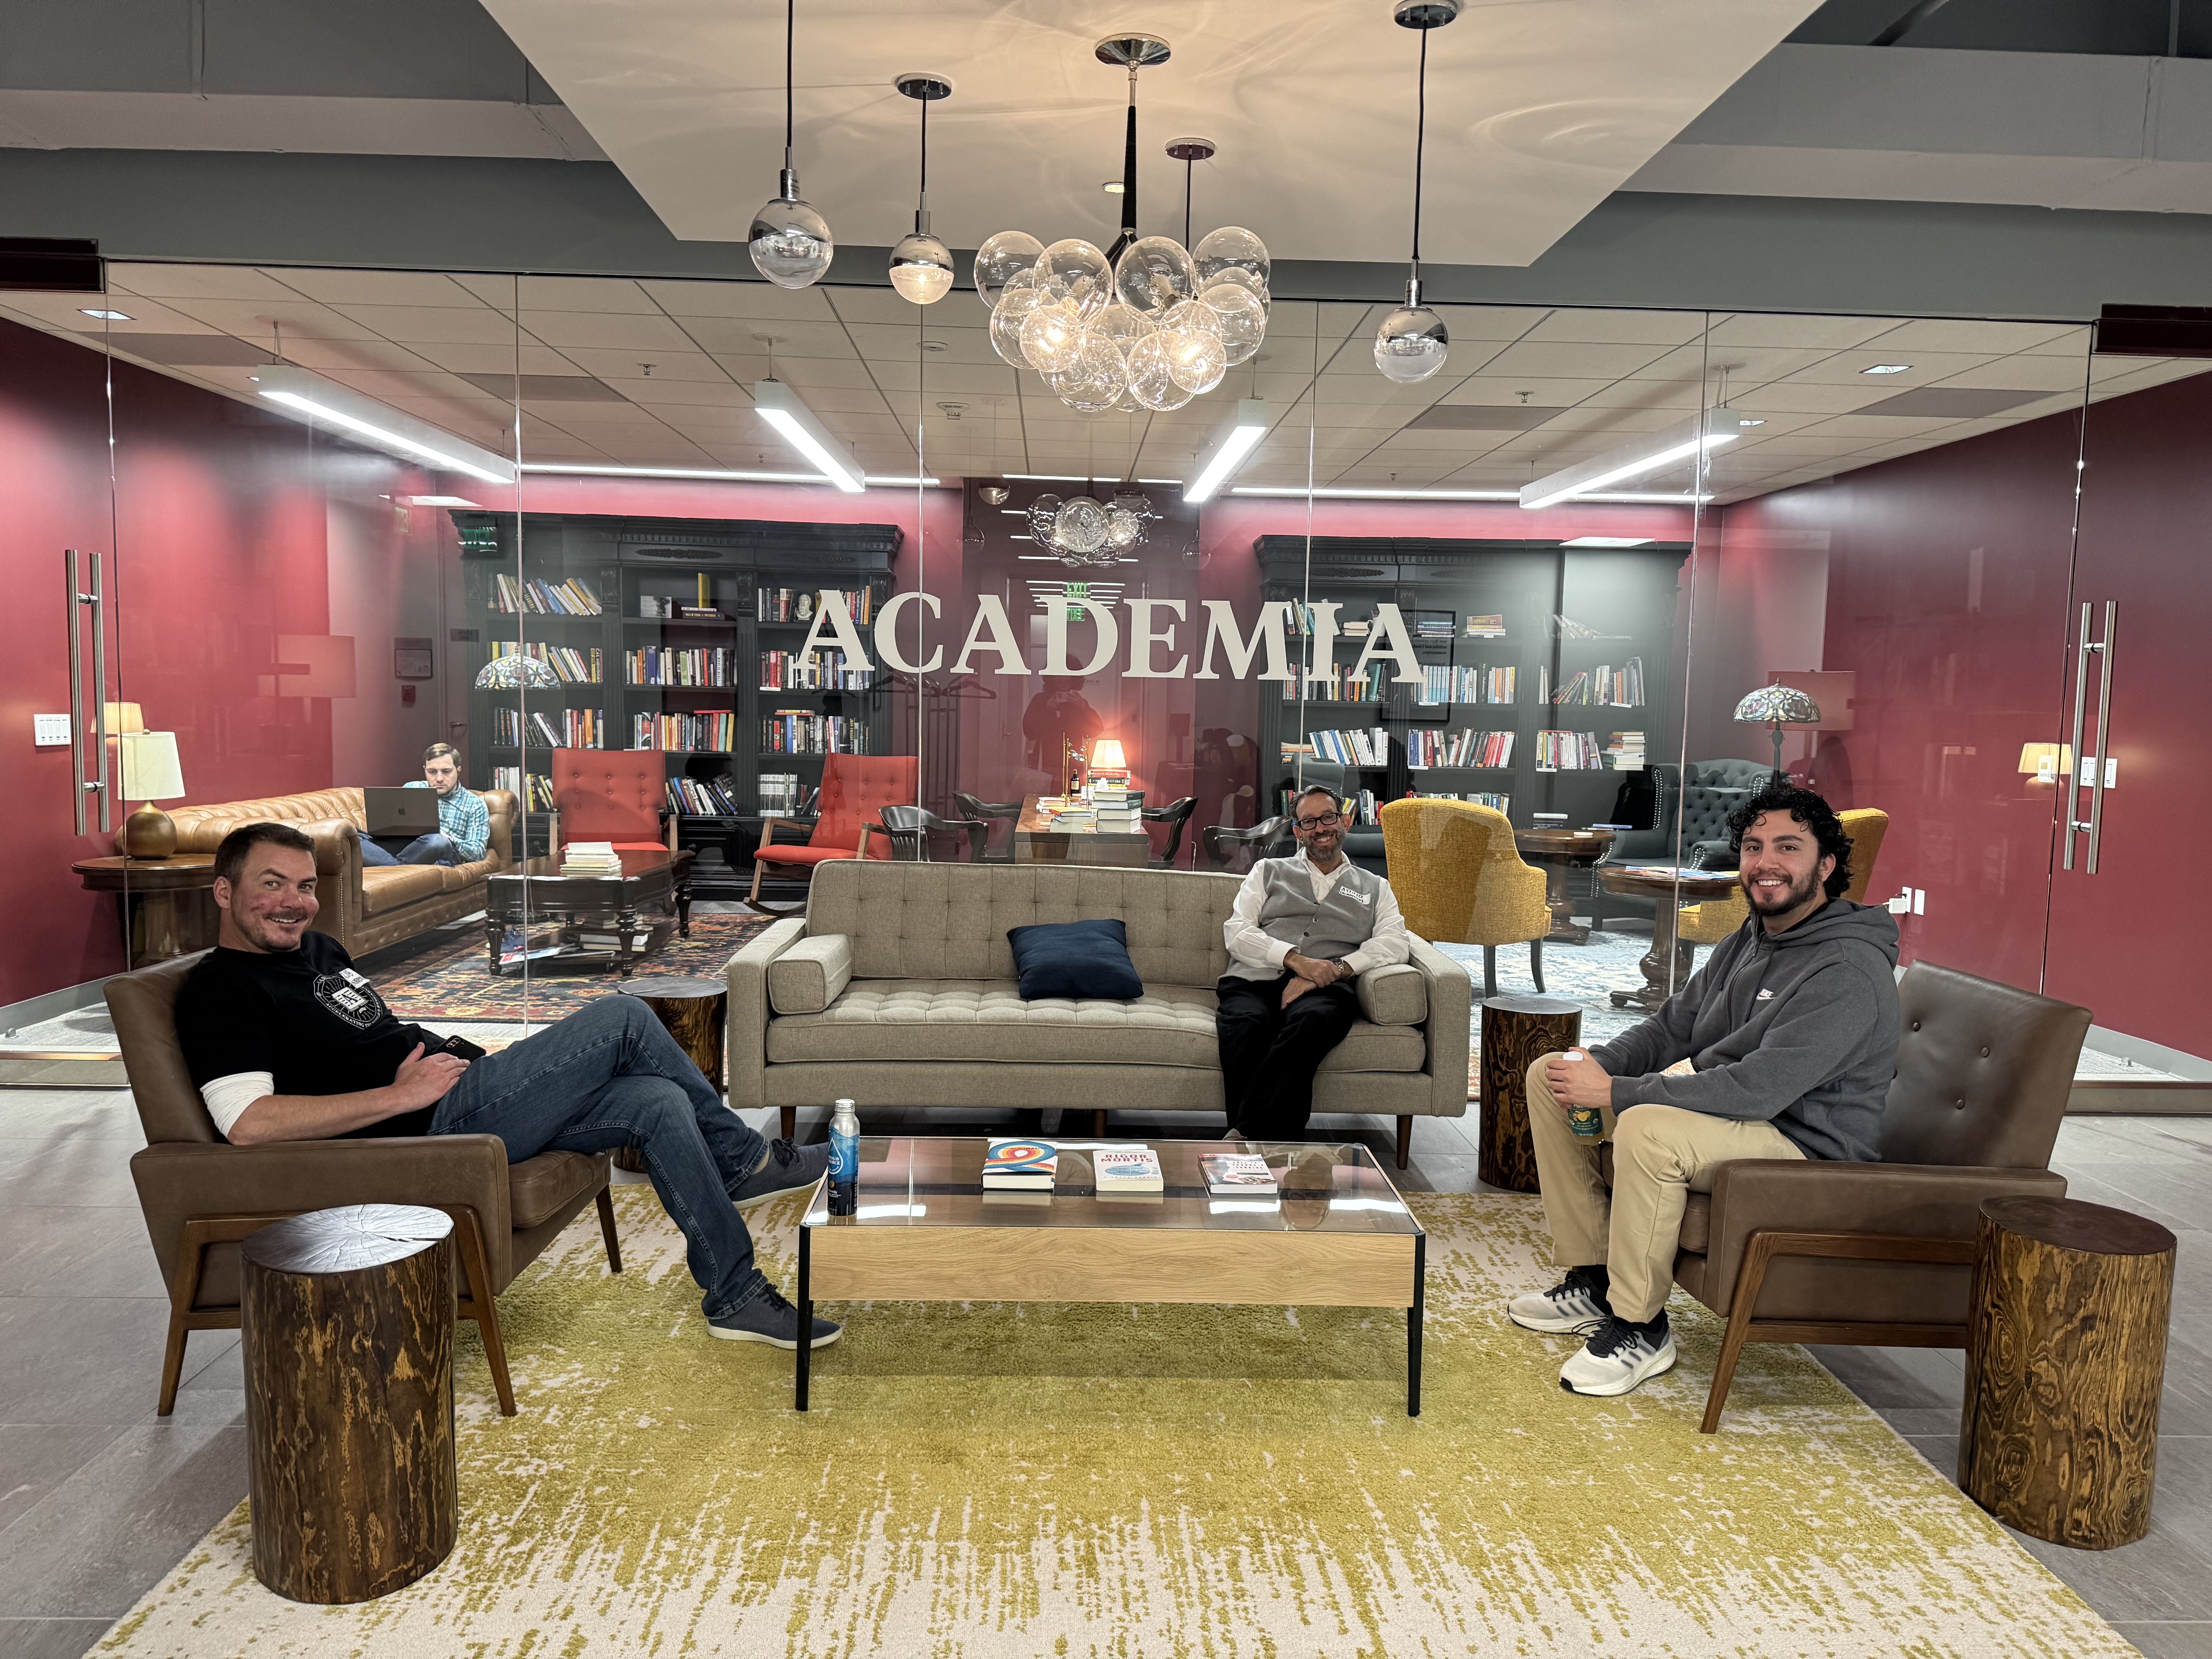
(1108, 1480)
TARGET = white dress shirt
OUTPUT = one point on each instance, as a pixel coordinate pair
(1255, 948)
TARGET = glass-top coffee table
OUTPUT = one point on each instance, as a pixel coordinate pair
(923, 1229)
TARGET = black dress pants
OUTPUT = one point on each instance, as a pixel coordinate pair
(1269, 1052)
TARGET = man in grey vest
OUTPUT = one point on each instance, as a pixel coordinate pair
(1302, 929)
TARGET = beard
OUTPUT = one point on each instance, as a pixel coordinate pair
(258, 930)
(1790, 898)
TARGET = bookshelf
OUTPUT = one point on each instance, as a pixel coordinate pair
(689, 687)
(1495, 683)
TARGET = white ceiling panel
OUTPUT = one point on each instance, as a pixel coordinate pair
(621, 330)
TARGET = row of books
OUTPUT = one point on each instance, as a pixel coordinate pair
(1443, 682)
(661, 665)
(1339, 684)
(1580, 751)
(1018, 1166)
(815, 670)
(698, 798)
(1368, 748)
(782, 795)
(534, 789)
(570, 666)
(1606, 685)
(1478, 797)
(797, 603)
(1432, 626)
(1360, 806)
(808, 732)
(1427, 749)
(568, 728)
(713, 730)
(567, 598)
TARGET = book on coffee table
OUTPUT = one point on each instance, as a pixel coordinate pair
(1016, 1165)
(1232, 1174)
(1121, 1170)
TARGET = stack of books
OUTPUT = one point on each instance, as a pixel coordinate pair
(1113, 811)
(1626, 752)
(1018, 1166)
(592, 857)
(1486, 628)
(1237, 1175)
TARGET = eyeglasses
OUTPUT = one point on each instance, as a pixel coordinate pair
(1327, 821)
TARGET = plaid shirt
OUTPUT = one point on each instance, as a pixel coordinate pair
(463, 817)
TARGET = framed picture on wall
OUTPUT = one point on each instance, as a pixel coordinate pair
(410, 659)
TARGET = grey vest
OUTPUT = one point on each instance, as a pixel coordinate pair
(1332, 931)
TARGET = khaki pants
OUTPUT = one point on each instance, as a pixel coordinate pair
(1660, 1155)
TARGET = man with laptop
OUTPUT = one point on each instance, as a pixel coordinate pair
(451, 826)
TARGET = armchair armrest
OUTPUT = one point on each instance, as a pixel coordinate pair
(1450, 1005)
(1712, 855)
(1638, 846)
(179, 1179)
(1913, 1201)
(748, 1017)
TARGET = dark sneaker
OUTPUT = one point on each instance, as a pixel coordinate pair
(768, 1318)
(1618, 1356)
(1576, 1304)
(788, 1169)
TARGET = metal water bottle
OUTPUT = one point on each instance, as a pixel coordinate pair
(844, 1159)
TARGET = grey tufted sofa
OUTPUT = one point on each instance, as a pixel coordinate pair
(898, 988)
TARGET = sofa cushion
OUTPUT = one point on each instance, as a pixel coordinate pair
(1395, 995)
(986, 1021)
(810, 975)
(389, 886)
(1081, 960)
(537, 1187)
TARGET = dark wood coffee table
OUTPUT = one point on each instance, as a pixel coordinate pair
(1560, 851)
(538, 892)
(1667, 965)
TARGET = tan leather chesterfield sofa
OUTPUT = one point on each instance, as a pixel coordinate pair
(363, 908)
(898, 988)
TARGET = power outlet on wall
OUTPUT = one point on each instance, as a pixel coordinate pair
(1912, 901)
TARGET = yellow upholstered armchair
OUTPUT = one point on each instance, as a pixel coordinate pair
(1461, 880)
(1716, 919)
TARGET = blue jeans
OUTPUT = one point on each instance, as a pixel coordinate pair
(610, 1075)
(433, 848)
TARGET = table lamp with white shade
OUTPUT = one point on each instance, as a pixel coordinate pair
(150, 773)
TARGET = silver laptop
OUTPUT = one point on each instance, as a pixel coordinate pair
(407, 813)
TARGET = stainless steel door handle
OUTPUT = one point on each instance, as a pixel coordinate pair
(2100, 760)
(78, 601)
(2104, 765)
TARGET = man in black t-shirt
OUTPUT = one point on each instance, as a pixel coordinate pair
(285, 1040)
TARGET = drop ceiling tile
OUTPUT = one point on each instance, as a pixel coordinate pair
(625, 331)
(1490, 323)
(593, 417)
(1988, 339)
(256, 320)
(198, 282)
(467, 357)
(374, 288)
(1565, 360)
(880, 345)
(2074, 341)
(1790, 332)
(2026, 371)
(658, 393)
(883, 307)
(498, 291)
(600, 294)
(748, 301)
(66, 311)
(1885, 429)
(827, 400)
(1846, 367)
(431, 324)
(1590, 326)
(794, 340)
(2140, 373)
(947, 379)
(610, 363)
(1800, 397)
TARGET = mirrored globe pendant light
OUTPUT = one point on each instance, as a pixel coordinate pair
(1413, 343)
(1148, 324)
(921, 266)
(791, 242)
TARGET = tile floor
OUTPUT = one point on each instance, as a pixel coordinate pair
(98, 1497)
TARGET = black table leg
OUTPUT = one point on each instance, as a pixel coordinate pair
(805, 1320)
(1413, 1326)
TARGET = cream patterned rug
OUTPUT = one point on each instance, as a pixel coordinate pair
(1220, 1484)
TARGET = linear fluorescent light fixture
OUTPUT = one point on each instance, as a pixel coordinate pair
(779, 406)
(1331, 493)
(328, 403)
(1608, 541)
(1061, 477)
(1249, 426)
(1647, 454)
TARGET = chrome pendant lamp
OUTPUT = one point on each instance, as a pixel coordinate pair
(1413, 343)
(921, 266)
(790, 242)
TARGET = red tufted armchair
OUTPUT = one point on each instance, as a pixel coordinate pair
(619, 795)
(854, 787)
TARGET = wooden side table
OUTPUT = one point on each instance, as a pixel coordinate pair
(1560, 851)
(1516, 1032)
(171, 902)
(2065, 1362)
(694, 1011)
(1667, 965)
(346, 1320)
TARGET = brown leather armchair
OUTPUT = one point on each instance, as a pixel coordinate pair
(1881, 1254)
(200, 1194)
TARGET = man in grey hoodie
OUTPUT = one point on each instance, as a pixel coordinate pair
(1783, 1045)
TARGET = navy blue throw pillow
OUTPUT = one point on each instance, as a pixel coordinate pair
(1075, 959)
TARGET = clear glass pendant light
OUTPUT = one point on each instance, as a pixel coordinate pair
(790, 242)
(921, 266)
(1413, 343)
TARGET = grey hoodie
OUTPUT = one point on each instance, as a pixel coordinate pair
(1797, 1029)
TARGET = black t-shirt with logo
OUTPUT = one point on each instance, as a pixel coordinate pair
(306, 1016)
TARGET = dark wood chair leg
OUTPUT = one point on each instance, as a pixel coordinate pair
(1405, 1141)
(1750, 1280)
(788, 1122)
(1536, 963)
(481, 1305)
(1490, 970)
(192, 1241)
(607, 1201)
(1098, 1126)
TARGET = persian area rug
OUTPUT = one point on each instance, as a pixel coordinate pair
(451, 980)
(1134, 1481)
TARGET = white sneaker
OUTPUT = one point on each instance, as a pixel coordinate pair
(1617, 1357)
(1571, 1305)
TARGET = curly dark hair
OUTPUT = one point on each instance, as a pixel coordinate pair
(1779, 795)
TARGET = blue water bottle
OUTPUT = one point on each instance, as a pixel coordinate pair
(844, 1158)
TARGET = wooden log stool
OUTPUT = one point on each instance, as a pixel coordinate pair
(1516, 1033)
(694, 1011)
(346, 1324)
(2065, 1362)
